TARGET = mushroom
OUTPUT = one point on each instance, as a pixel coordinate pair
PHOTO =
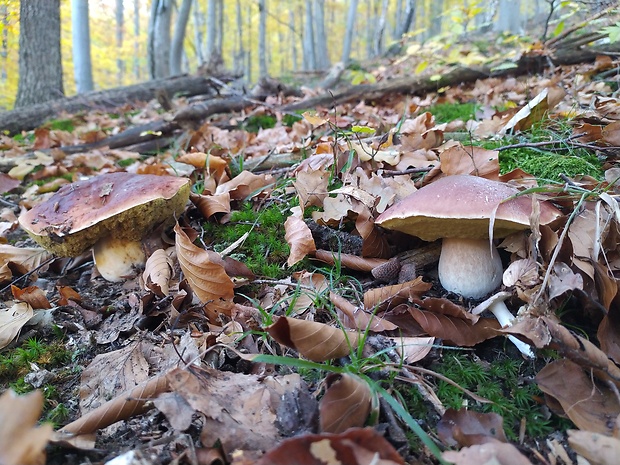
(110, 213)
(458, 209)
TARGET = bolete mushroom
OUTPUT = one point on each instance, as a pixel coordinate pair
(459, 209)
(109, 212)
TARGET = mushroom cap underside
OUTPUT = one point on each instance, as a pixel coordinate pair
(462, 206)
(120, 204)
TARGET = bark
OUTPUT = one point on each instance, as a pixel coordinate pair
(348, 35)
(136, 39)
(31, 117)
(262, 39)
(239, 49)
(437, 17)
(309, 52)
(211, 29)
(176, 49)
(4, 50)
(40, 66)
(320, 37)
(381, 28)
(293, 37)
(199, 23)
(120, 24)
(82, 66)
(159, 38)
(407, 19)
(509, 18)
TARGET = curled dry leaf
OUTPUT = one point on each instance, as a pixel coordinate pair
(246, 184)
(346, 403)
(589, 404)
(387, 297)
(374, 242)
(32, 295)
(496, 453)
(413, 349)
(352, 262)
(356, 447)
(315, 341)
(12, 320)
(21, 441)
(68, 294)
(298, 236)
(478, 161)
(212, 163)
(207, 278)
(357, 318)
(465, 428)
(158, 271)
(311, 187)
(209, 205)
(595, 447)
(563, 279)
(26, 258)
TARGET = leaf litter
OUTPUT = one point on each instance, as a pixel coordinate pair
(174, 351)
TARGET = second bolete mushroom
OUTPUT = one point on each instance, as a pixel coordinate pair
(107, 211)
(458, 209)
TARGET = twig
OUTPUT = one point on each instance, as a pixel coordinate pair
(407, 171)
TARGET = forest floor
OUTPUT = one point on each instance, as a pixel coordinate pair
(275, 323)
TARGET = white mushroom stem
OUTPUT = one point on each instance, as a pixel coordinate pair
(495, 304)
(471, 268)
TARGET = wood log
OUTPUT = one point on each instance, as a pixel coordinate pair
(27, 118)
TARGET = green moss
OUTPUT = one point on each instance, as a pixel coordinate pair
(61, 125)
(256, 122)
(265, 250)
(289, 120)
(501, 382)
(446, 112)
(546, 165)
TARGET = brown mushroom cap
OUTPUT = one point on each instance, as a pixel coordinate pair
(123, 205)
(461, 206)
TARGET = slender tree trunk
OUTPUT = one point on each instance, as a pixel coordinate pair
(381, 28)
(293, 37)
(262, 39)
(176, 49)
(120, 24)
(509, 18)
(370, 27)
(320, 37)
(348, 34)
(248, 61)
(4, 52)
(40, 66)
(82, 65)
(308, 41)
(437, 18)
(136, 39)
(219, 38)
(159, 40)
(239, 48)
(198, 32)
(407, 19)
(211, 29)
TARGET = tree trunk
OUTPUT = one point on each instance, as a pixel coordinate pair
(136, 39)
(437, 17)
(320, 37)
(28, 118)
(381, 28)
(199, 23)
(407, 19)
(82, 65)
(248, 60)
(40, 66)
(176, 49)
(159, 40)
(308, 41)
(219, 37)
(348, 34)
(211, 29)
(4, 51)
(120, 24)
(262, 39)
(293, 37)
(239, 49)
(509, 17)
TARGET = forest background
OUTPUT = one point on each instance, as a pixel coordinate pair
(301, 37)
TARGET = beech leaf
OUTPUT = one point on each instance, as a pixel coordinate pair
(346, 403)
(207, 279)
(298, 236)
(12, 320)
(158, 271)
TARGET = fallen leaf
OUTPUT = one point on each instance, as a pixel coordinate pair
(492, 453)
(595, 447)
(466, 428)
(12, 320)
(32, 295)
(345, 404)
(298, 236)
(158, 271)
(22, 442)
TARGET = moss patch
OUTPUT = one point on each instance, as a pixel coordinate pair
(446, 112)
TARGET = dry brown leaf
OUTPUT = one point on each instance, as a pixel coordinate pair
(386, 297)
(32, 295)
(413, 349)
(298, 236)
(22, 442)
(122, 407)
(595, 447)
(472, 160)
(311, 187)
(563, 279)
(158, 271)
(12, 320)
(246, 184)
(591, 405)
(27, 258)
(212, 163)
(355, 447)
(68, 294)
(315, 341)
(209, 205)
(495, 453)
(534, 110)
(357, 318)
(459, 331)
(207, 279)
(353, 262)
(374, 242)
(346, 403)
(466, 428)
